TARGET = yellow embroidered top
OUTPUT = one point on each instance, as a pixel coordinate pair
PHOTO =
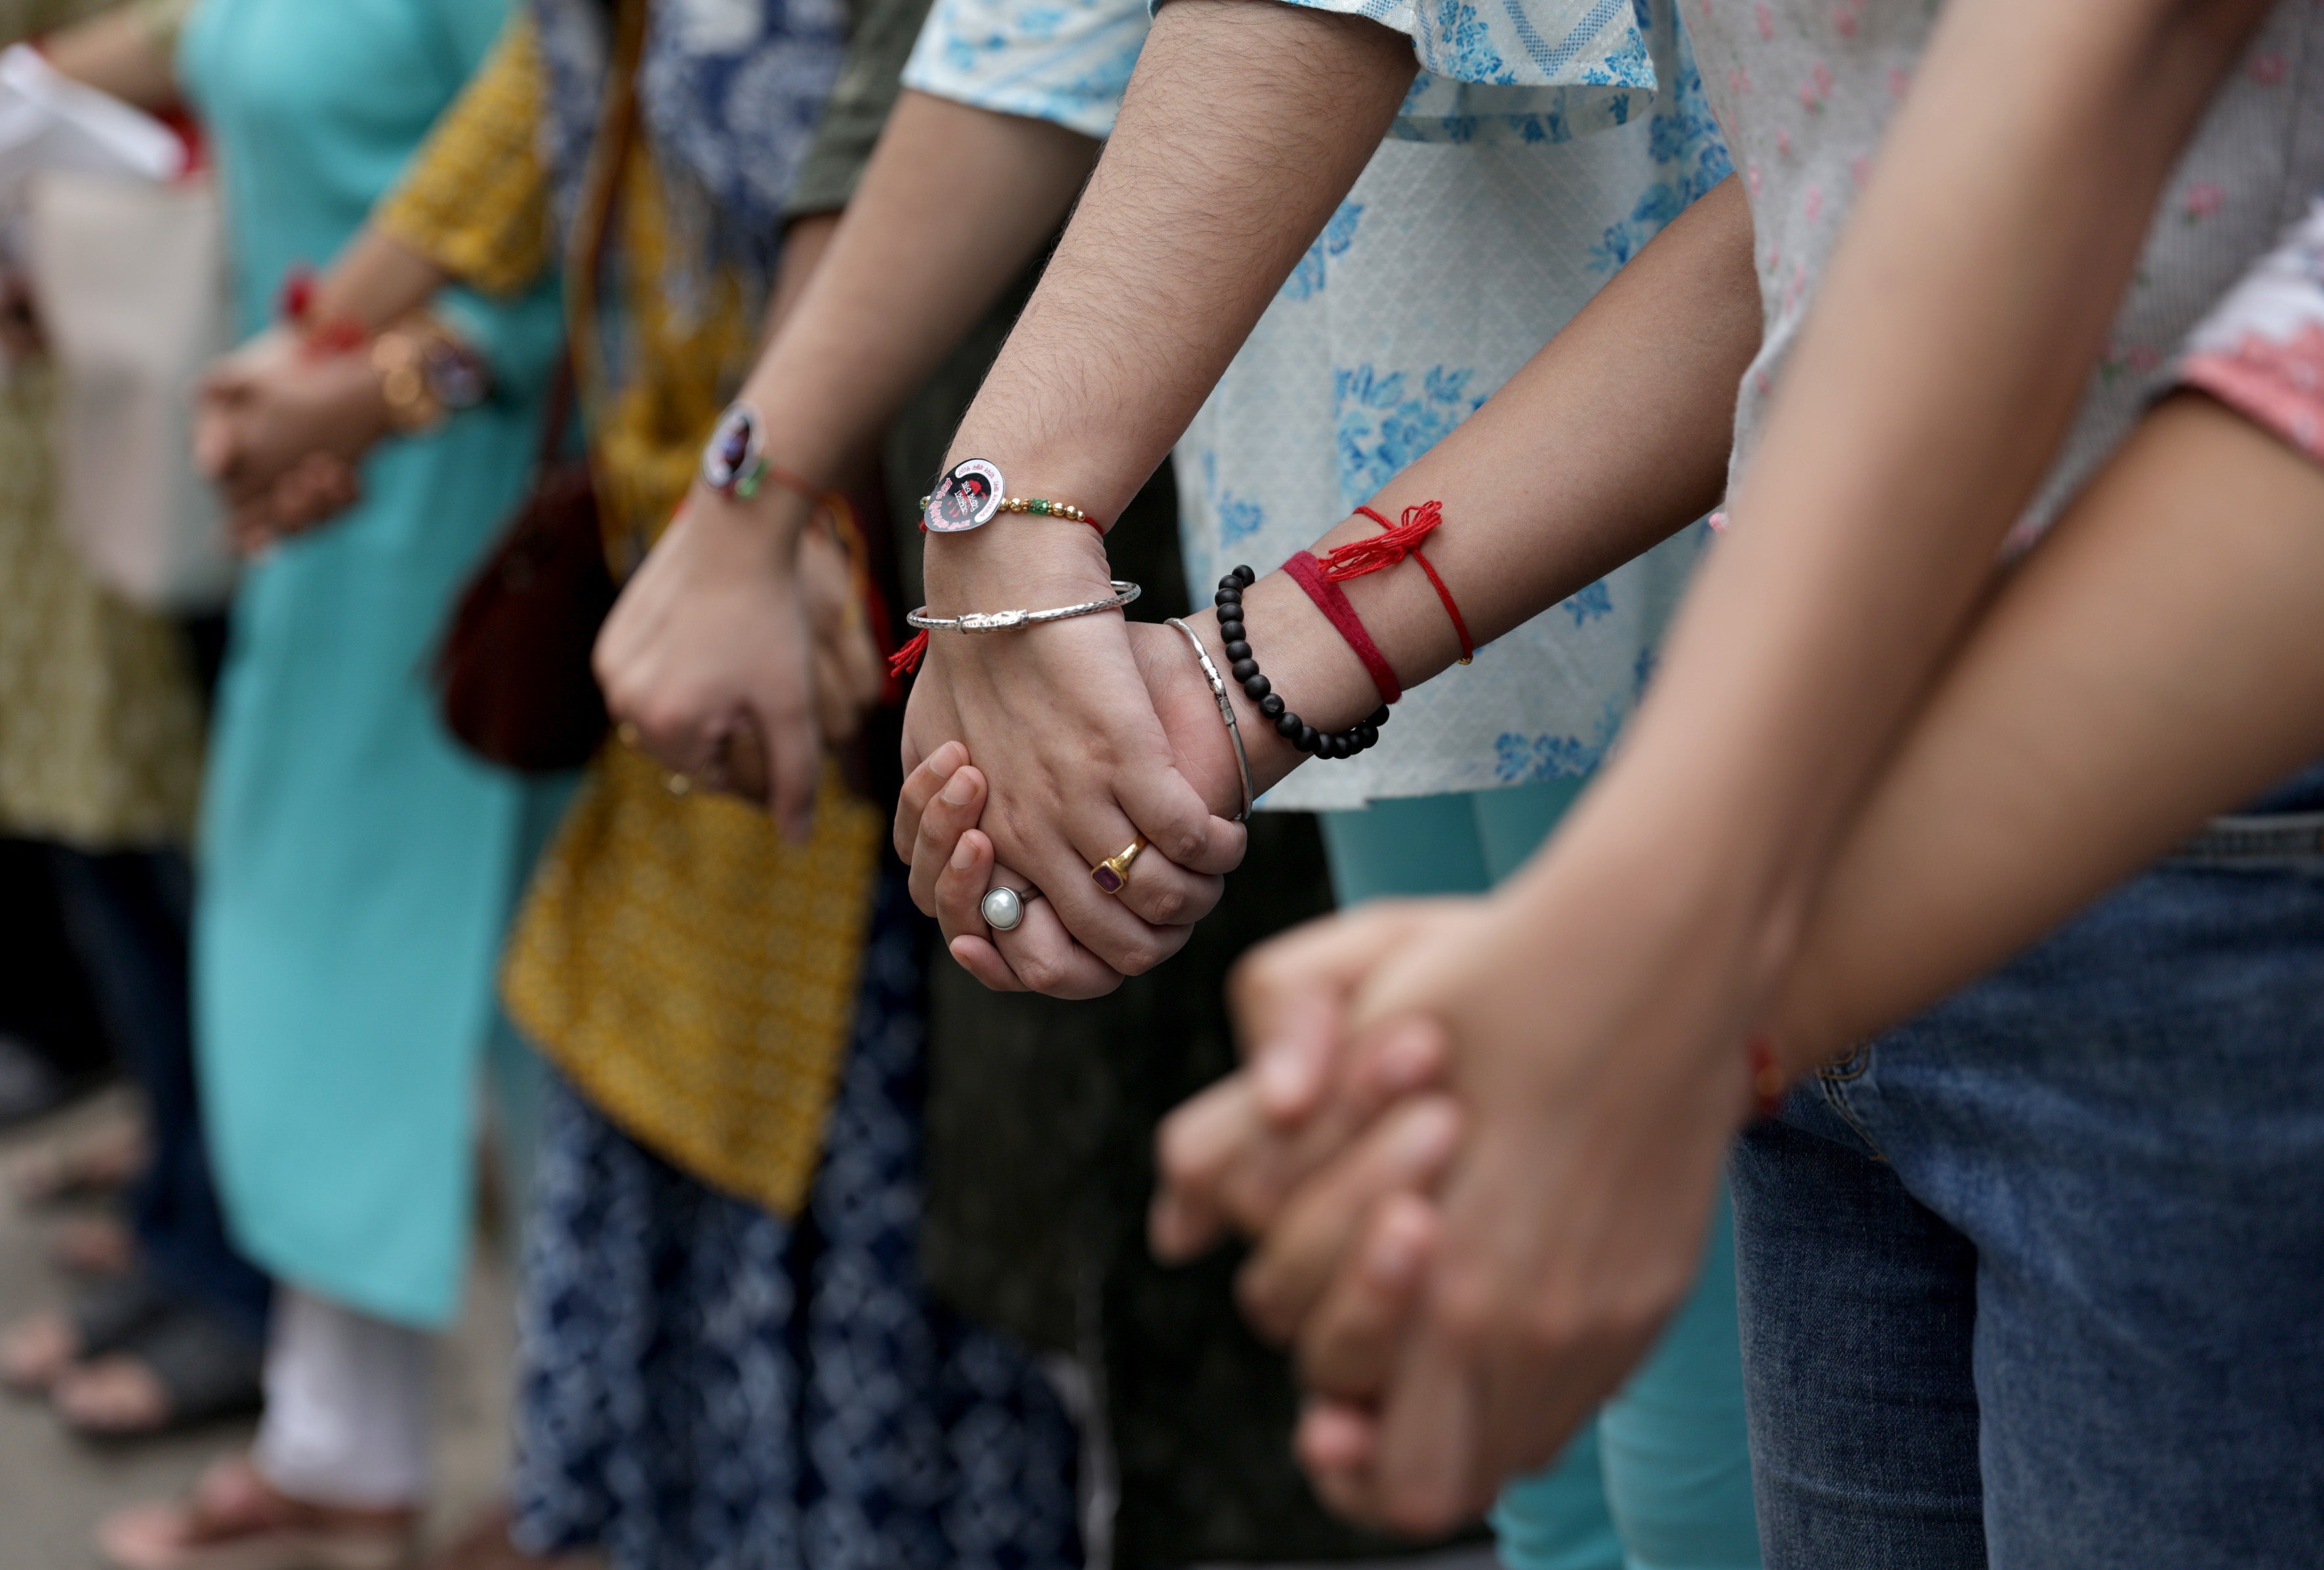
(691, 971)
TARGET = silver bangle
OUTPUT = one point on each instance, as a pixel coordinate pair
(1011, 620)
(1226, 713)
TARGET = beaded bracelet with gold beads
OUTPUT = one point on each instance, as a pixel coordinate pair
(1039, 506)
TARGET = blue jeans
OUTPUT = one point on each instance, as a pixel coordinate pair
(1660, 1481)
(2038, 1279)
(127, 913)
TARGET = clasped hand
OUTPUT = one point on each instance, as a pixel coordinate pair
(1477, 1142)
(279, 429)
(1090, 734)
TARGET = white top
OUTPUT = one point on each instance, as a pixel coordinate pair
(1492, 214)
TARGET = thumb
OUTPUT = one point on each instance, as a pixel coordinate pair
(1290, 1000)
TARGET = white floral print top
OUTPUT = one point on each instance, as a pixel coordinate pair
(1492, 214)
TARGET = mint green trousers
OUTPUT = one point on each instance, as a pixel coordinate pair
(1663, 1480)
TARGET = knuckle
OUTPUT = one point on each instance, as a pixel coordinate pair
(1169, 905)
(1142, 953)
(1183, 843)
(1041, 972)
(1465, 1308)
(1178, 1155)
(1559, 1321)
(1417, 1507)
(1262, 1304)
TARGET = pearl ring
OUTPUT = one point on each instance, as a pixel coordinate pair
(1003, 908)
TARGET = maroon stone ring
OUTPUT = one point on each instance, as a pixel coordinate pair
(1112, 874)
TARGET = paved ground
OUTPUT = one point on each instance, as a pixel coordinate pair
(53, 1489)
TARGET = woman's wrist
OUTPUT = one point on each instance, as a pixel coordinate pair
(360, 416)
(1016, 561)
(1307, 663)
(758, 533)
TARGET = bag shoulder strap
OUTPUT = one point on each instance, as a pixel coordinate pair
(593, 228)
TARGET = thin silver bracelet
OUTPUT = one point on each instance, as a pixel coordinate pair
(1226, 713)
(1011, 620)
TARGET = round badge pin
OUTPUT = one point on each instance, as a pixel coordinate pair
(732, 459)
(965, 498)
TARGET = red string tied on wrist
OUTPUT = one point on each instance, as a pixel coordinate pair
(319, 339)
(906, 660)
(1766, 1076)
(1307, 572)
(1385, 549)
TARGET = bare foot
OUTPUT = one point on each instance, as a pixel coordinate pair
(234, 1520)
(92, 1245)
(37, 1351)
(114, 1397)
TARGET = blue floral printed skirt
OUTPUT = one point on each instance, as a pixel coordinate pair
(705, 1385)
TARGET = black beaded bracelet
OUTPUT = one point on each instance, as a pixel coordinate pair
(1245, 669)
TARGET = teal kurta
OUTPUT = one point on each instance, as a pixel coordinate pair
(358, 869)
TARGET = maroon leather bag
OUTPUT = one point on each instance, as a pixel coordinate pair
(512, 672)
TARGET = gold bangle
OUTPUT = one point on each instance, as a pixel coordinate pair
(400, 361)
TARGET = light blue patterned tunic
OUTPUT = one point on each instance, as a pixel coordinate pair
(1496, 209)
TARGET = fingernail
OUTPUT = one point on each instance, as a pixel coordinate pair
(963, 857)
(1283, 1078)
(1428, 1134)
(962, 789)
(1395, 1255)
(1409, 1059)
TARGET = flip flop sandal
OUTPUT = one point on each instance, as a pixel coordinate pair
(206, 1372)
(231, 1523)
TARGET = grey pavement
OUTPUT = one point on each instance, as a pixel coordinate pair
(54, 1489)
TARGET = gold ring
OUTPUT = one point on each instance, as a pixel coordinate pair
(1112, 874)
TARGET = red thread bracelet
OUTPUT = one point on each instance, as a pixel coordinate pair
(330, 336)
(1358, 557)
(1307, 570)
(906, 660)
(1766, 1075)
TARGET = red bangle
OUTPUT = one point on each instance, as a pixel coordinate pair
(1308, 573)
(1389, 548)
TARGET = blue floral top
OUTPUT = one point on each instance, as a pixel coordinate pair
(1496, 209)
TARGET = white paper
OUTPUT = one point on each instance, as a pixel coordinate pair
(49, 124)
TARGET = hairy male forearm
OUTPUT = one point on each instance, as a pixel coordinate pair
(954, 204)
(1245, 124)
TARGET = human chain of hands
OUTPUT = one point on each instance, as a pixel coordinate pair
(1423, 1082)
